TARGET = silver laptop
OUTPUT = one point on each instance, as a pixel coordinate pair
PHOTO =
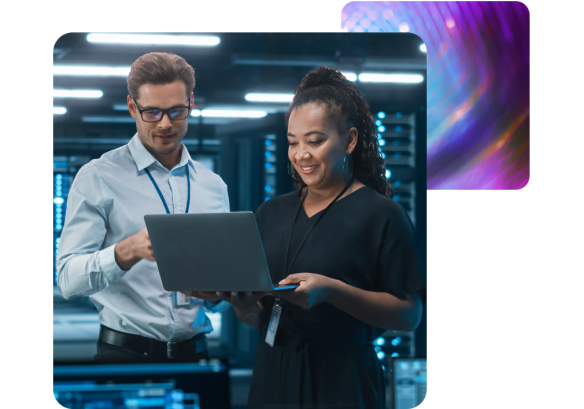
(210, 252)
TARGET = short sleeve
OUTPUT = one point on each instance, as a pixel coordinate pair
(400, 266)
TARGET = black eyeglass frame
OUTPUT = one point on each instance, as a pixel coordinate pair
(164, 111)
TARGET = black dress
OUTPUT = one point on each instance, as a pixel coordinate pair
(323, 357)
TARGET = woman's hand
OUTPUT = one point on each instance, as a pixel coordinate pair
(312, 290)
(240, 300)
(245, 303)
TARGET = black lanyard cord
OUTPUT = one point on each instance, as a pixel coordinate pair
(286, 267)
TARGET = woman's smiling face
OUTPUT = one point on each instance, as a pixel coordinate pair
(316, 150)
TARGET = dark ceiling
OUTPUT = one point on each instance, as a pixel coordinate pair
(242, 63)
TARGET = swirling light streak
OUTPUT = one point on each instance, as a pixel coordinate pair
(478, 86)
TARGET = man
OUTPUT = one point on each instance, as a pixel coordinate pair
(105, 252)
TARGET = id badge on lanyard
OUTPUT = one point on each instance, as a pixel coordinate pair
(179, 298)
(277, 310)
(274, 320)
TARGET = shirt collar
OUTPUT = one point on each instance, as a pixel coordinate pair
(143, 158)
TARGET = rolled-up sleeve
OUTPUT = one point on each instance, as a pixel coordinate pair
(83, 267)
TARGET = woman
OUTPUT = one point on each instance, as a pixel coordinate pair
(350, 249)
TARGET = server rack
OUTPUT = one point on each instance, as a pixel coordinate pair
(64, 170)
(397, 144)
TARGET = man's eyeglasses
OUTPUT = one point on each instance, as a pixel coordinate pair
(156, 114)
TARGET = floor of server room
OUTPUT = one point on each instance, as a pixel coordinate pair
(76, 330)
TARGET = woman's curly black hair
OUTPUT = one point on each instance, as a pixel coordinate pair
(345, 105)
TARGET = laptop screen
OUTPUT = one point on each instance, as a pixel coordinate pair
(170, 386)
(409, 382)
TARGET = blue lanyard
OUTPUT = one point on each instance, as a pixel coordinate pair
(162, 197)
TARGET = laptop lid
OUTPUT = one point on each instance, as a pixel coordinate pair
(209, 252)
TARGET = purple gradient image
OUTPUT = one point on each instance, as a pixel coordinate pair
(478, 85)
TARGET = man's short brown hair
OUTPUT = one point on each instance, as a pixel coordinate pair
(159, 69)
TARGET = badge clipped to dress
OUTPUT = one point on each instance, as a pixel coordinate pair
(181, 299)
(274, 320)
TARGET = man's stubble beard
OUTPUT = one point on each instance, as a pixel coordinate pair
(164, 151)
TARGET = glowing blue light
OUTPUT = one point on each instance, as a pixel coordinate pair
(396, 341)
(59, 182)
(58, 200)
(59, 226)
(268, 154)
(268, 165)
(267, 188)
(397, 183)
(394, 354)
(381, 128)
(377, 122)
(396, 198)
(379, 136)
(268, 142)
(58, 239)
(379, 341)
(266, 198)
(383, 155)
(177, 395)
(377, 348)
(398, 128)
(381, 355)
(382, 142)
(423, 48)
(387, 173)
(398, 114)
(397, 155)
(383, 366)
(381, 115)
(59, 176)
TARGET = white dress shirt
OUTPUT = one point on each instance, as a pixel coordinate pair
(106, 204)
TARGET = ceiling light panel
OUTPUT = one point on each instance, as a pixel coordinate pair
(397, 78)
(259, 97)
(351, 76)
(150, 39)
(93, 71)
(228, 113)
(77, 93)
